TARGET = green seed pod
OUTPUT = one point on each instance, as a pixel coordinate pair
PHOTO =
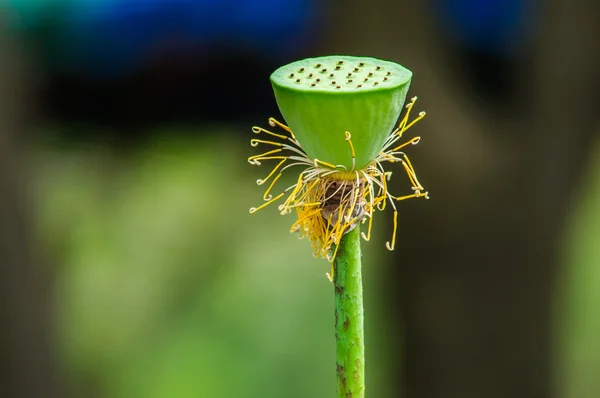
(323, 98)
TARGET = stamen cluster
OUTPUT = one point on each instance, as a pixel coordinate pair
(329, 199)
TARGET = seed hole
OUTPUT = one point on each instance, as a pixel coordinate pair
(333, 82)
(378, 68)
(385, 78)
(291, 75)
(297, 80)
(389, 73)
(366, 79)
(355, 69)
(331, 75)
(361, 64)
(340, 62)
(376, 83)
(312, 85)
(370, 74)
(337, 87)
(337, 67)
(311, 75)
(350, 81)
(317, 65)
(349, 74)
(301, 70)
(359, 85)
(318, 80)
(324, 70)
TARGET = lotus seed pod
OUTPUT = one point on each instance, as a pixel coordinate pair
(323, 98)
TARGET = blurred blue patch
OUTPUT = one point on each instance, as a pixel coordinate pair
(487, 25)
(116, 35)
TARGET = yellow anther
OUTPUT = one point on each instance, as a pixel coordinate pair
(255, 141)
(330, 276)
(267, 195)
(367, 237)
(251, 158)
(317, 162)
(401, 126)
(273, 122)
(387, 244)
(255, 209)
(421, 116)
(258, 130)
(413, 141)
(349, 139)
(262, 181)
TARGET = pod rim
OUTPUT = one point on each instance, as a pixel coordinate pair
(341, 74)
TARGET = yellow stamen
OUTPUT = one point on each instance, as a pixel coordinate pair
(273, 122)
(354, 199)
(410, 174)
(387, 244)
(262, 181)
(255, 141)
(413, 141)
(409, 107)
(349, 140)
(258, 130)
(414, 195)
(304, 205)
(317, 161)
(308, 190)
(421, 116)
(359, 192)
(297, 188)
(330, 276)
(255, 209)
(367, 237)
(267, 195)
(251, 158)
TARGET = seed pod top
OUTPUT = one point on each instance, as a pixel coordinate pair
(323, 98)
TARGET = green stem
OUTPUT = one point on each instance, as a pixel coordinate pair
(349, 318)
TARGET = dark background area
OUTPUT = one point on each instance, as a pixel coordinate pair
(130, 264)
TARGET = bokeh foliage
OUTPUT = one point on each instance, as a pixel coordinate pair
(167, 286)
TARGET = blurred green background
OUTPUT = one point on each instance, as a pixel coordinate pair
(167, 286)
(133, 269)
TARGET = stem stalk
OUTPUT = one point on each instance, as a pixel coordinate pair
(349, 318)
